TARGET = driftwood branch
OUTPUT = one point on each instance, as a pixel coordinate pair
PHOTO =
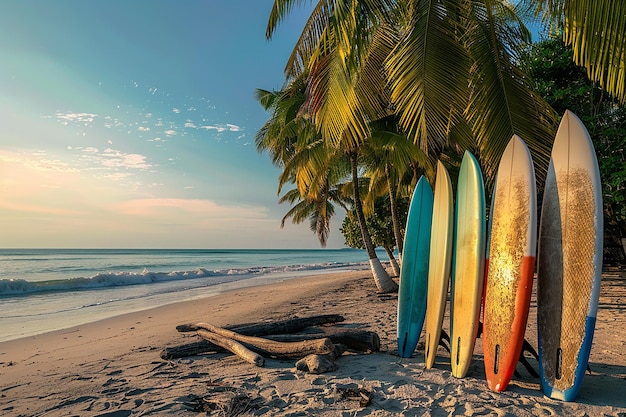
(189, 349)
(317, 349)
(277, 327)
(274, 348)
(232, 346)
(249, 329)
(355, 339)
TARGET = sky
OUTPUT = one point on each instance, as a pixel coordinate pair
(131, 124)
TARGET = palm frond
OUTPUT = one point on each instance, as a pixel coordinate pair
(280, 10)
(596, 31)
(428, 72)
(371, 87)
(307, 46)
(502, 102)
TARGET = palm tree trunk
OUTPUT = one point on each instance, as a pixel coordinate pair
(394, 214)
(392, 260)
(383, 282)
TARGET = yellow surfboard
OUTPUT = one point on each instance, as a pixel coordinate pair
(440, 261)
(468, 264)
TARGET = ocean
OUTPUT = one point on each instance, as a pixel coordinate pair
(43, 290)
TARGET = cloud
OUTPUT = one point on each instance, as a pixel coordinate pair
(221, 128)
(76, 117)
(116, 176)
(112, 158)
(90, 150)
(166, 118)
(157, 139)
(37, 160)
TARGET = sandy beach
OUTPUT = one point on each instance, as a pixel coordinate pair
(113, 367)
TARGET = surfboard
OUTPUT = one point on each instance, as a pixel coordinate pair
(414, 269)
(439, 265)
(569, 263)
(510, 265)
(468, 264)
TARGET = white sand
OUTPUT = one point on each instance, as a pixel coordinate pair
(113, 368)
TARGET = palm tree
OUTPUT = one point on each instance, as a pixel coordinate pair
(318, 212)
(595, 31)
(316, 171)
(388, 156)
(340, 99)
(292, 141)
(447, 69)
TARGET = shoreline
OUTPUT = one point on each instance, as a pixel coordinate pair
(96, 312)
(112, 367)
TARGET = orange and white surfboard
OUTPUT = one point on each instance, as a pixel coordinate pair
(510, 264)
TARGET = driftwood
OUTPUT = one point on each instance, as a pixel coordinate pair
(362, 395)
(272, 348)
(318, 364)
(285, 326)
(277, 327)
(317, 346)
(232, 346)
(249, 329)
(189, 349)
(355, 339)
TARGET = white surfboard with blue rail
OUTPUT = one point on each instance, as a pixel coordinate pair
(414, 269)
(569, 263)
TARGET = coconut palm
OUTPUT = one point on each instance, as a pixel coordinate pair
(294, 146)
(449, 72)
(388, 156)
(318, 212)
(341, 101)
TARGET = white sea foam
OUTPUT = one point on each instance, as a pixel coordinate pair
(17, 287)
(50, 289)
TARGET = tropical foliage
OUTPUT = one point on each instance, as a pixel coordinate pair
(367, 78)
(566, 86)
(380, 224)
(595, 32)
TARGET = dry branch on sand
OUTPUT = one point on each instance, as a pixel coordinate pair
(317, 348)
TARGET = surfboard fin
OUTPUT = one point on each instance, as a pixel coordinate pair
(444, 341)
(527, 347)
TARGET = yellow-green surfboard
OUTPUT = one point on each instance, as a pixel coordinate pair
(468, 264)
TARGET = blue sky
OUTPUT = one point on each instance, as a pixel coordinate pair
(132, 123)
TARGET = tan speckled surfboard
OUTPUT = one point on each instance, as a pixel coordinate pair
(569, 260)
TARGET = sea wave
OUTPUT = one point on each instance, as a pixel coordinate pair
(21, 287)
